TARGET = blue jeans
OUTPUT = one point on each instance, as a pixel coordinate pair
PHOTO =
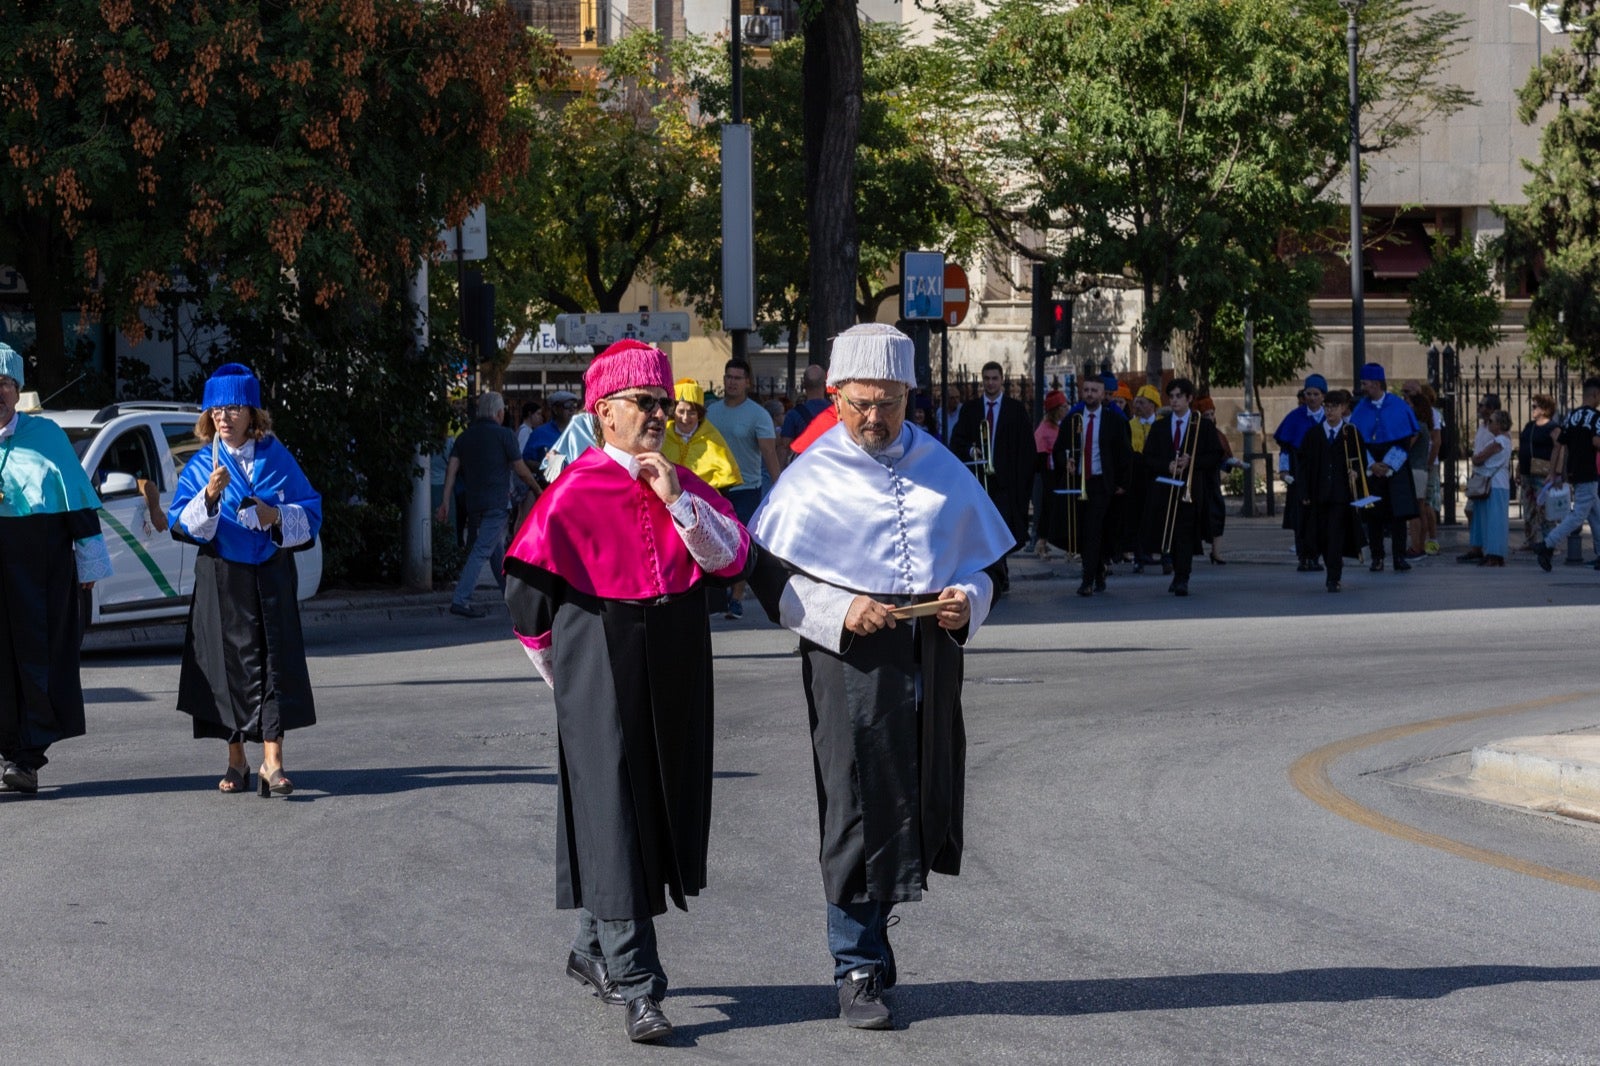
(628, 948)
(1585, 505)
(485, 530)
(858, 936)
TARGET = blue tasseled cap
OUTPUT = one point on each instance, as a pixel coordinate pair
(233, 383)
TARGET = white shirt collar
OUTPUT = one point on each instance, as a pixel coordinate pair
(11, 426)
(623, 459)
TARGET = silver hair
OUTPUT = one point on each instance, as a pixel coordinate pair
(490, 404)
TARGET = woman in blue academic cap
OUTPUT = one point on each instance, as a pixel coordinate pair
(246, 504)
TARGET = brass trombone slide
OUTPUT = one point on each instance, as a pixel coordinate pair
(982, 462)
(1361, 497)
(1190, 444)
(1077, 484)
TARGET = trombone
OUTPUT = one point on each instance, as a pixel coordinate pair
(1078, 485)
(1191, 443)
(982, 461)
(1360, 494)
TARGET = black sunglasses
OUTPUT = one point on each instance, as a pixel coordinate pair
(645, 402)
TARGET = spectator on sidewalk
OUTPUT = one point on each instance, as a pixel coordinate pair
(484, 457)
(1482, 437)
(1422, 452)
(1491, 517)
(1535, 448)
(1044, 441)
(815, 384)
(747, 428)
(1573, 461)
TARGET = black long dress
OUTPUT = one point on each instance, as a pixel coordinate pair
(890, 767)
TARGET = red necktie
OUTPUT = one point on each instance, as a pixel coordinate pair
(1177, 436)
(991, 420)
(1088, 443)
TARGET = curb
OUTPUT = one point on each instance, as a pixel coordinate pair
(1563, 770)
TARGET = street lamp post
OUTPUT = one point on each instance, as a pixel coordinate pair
(1358, 329)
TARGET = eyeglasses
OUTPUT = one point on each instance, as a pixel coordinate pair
(646, 403)
(229, 410)
(883, 407)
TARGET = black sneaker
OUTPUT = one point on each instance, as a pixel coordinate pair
(1544, 553)
(469, 610)
(861, 1004)
(16, 779)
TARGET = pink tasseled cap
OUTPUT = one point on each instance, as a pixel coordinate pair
(627, 364)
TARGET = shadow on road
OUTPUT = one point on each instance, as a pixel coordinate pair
(377, 781)
(749, 1007)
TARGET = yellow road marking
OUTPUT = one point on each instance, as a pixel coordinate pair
(1309, 774)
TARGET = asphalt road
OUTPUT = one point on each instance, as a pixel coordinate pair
(1144, 882)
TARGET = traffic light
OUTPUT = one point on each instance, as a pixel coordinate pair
(1042, 323)
(1061, 325)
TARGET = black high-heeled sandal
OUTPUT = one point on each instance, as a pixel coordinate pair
(236, 781)
(274, 784)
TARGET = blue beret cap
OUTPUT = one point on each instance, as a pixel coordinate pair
(1318, 382)
(233, 383)
(1372, 372)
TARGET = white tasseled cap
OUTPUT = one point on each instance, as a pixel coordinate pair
(872, 351)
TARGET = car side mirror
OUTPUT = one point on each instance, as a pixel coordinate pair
(118, 483)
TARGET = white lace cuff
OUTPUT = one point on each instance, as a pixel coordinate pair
(712, 537)
(196, 521)
(94, 561)
(540, 657)
(295, 525)
(814, 610)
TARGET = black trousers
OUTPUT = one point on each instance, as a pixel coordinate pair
(1380, 520)
(628, 948)
(1185, 540)
(1325, 525)
(1095, 532)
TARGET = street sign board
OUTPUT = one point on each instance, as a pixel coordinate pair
(922, 286)
(956, 300)
(474, 231)
(600, 329)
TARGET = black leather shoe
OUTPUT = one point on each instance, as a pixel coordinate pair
(1401, 566)
(1544, 558)
(1303, 568)
(593, 974)
(15, 779)
(1180, 588)
(1085, 589)
(1099, 584)
(861, 1004)
(1313, 567)
(646, 1022)
(1470, 557)
(1333, 586)
(1166, 566)
(1377, 565)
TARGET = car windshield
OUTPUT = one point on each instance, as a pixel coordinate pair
(82, 438)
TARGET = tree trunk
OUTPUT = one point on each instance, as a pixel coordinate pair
(38, 253)
(1152, 343)
(832, 113)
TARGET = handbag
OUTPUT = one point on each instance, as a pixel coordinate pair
(1478, 486)
(1538, 467)
(1557, 502)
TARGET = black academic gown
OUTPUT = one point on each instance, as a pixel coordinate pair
(633, 695)
(41, 627)
(1191, 524)
(1011, 484)
(897, 762)
(1333, 528)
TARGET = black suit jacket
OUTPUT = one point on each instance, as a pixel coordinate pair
(1011, 484)
(1116, 446)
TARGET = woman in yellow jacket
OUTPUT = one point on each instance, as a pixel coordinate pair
(693, 442)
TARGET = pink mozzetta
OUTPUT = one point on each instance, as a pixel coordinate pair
(610, 536)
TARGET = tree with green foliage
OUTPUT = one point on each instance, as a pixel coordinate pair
(902, 200)
(265, 159)
(1172, 145)
(280, 169)
(620, 164)
(1557, 231)
(1453, 300)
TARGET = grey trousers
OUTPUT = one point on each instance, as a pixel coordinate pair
(628, 949)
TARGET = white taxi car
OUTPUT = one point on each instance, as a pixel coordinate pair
(133, 453)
